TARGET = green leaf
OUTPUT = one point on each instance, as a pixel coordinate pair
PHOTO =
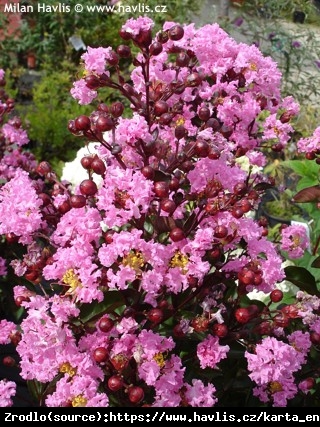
(306, 262)
(316, 263)
(112, 300)
(305, 182)
(148, 227)
(302, 278)
(302, 168)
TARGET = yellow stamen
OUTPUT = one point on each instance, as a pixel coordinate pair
(179, 260)
(180, 121)
(66, 368)
(160, 359)
(79, 402)
(275, 387)
(296, 241)
(71, 279)
(253, 66)
(134, 259)
(276, 130)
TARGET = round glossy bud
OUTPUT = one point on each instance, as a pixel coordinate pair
(135, 394)
(106, 324)
(117, 108)
(115, 383)
(20, 299)
(161, 189)
(43, 168)
(82, 123)
(113, 58)
(88, 187)
(176, 234)
(160, 107)
(104, 123)
(176, 32)
(77, 201)
(98, 166)
(276, 295)
(220, 231)
(124, 51)
(168, 205)
(155, 315)
(100, 354)
(204, 113)
(242, 315)
(92, 82)
(156, 48)
(202, 148)
(8, 362)
(182, 59)
(220, 330)
(148, 172)
(64, 207)
(165, 119)
(193, 80)
(86, 162)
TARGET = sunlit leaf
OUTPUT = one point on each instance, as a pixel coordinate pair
(302, 278)
(148, 227)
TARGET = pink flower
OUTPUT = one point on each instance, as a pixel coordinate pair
(80, 391)
(309, 144)
(3, 267)
(295, 240)
(272, 360)
(210, 352)
(301, 342)
(15, 135)
(277, 131)
(124, 195)
(7, 391)
(272, 368)
(199, 395)
(20, 208)
(95, 59)
(82, 93)
(135, 26)
(6, 329)
(169, 384)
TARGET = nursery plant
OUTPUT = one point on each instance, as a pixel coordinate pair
(140, 285)
(46, 29)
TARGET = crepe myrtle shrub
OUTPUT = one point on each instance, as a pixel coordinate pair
(140, 283)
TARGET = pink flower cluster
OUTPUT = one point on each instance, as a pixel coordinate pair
(274, 364)
(135, 287)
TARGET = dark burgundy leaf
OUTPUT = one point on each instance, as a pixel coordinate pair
(307, 195)
(262, 186)
(164, 224)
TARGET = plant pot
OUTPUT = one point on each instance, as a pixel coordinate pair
(273, 220)
(274, 216)
(298, 17)
(237, 2)
(31, 61)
